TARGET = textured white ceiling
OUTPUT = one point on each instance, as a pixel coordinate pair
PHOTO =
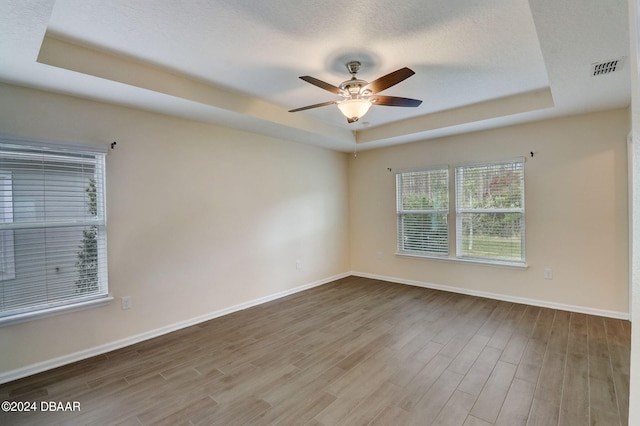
(233, 62)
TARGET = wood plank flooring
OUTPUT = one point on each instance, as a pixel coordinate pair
(354, 352)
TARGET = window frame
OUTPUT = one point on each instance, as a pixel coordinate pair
(460, 212)
(45, 307)
(401, 213)
(454, 253)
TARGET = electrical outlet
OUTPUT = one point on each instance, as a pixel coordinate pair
(126, 302)
(298, 264)
(548, 273)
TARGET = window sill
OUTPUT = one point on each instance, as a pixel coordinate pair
(494, 263)
(44, 313)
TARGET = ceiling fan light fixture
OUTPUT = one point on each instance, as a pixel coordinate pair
(354, 109)
(358, 95)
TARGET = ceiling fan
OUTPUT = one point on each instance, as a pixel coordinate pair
(358, 95)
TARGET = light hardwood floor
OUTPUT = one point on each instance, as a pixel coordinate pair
(355, 352)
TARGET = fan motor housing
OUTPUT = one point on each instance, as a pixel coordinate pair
(353, 87)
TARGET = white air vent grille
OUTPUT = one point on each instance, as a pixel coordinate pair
(607, 67)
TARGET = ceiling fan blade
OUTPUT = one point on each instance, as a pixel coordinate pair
(314, 106)
(321, 84)
(389, 80)
(394, 101)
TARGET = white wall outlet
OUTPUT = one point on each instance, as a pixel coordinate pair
(548, 273)
(126, 302)
(298, 264)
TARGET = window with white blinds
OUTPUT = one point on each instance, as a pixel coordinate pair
(422, 210)
(52, 228)
(7, 260)
(490, 211)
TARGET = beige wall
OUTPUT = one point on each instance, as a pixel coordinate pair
(576, 212)
(200, 219)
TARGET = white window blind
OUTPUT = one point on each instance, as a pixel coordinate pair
(422, 207)
(490, 211)
(7, 260)
(52, 224)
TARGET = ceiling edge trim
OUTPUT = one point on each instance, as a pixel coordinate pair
(68, 55)
(494, 108)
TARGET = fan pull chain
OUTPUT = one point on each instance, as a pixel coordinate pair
(355, 143)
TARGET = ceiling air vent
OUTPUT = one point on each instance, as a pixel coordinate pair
(607, 67)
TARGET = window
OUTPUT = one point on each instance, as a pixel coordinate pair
(423, 206)
(53, 229)
(7, 262)
(490, 211)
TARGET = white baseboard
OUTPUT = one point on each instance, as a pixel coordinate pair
(503, 297)
(111, 346)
